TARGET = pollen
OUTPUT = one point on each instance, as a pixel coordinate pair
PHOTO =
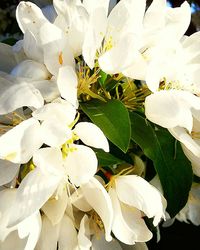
(60, 58)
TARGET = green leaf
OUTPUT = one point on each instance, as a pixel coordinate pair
(171, 164)
(103, 78)
(112, 118)
(107, 159)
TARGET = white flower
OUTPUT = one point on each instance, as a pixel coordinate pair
(46, 49)
(28, 228)
(111, 36)
(8, 171)
(27, 140)
(176, 67)
(11, 92)
(178, 111)
(64, 162)
(131, 196)
(157, 41)
(72, 18)
(190, 213)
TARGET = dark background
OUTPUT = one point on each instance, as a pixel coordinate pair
(180, 235)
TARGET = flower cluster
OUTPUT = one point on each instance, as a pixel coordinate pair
(75, 145)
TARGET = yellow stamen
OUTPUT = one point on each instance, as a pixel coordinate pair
(60, 58)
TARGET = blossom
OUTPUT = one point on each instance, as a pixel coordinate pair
(64, 161)
(129, 208)
(190, 213)
(159, 40)
(28, 228)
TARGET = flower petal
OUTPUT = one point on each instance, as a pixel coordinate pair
(91, 135)
(49, 161)
(84, 234)
(8, 171)
(30, 227)
(29, 17)
(12, 91)
(57, 52)
(9, 58)
(54, 133)
(99, 200)
(67, 84)
(171, 108)
(49, 235)
(81, 164)
(100, 243)
(128, 225)
(78, 200)
(63, 112)
(31, 69)
(13, 242)
(48, 89)
(118, 57)
(27, 139)
(145, 197)
(35, 189)
(32, 47)
(55, 208)
(182, 135)
(68, 236)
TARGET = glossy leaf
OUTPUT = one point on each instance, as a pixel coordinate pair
(172, 166)
(112, 118)
(107, 159)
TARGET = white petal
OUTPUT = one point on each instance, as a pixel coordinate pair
(54, 133)
(171, 108)
(31, 69)
(68, 235)
(95, 34)
(63, 112)
(55, 208)
(128, 226)
(91, 5)
(8, 198)
(145, 197)
(84, 234)
(8, 171)
(137, 69)
(100, 243)
(32, 47)
(67, 84)
(49, 161)
(29, 17)
(178, 20)
(48, 89)
(194, 160)
(49, 235)
(11, 93)
(99, 200)
(155, 15)
(35, 189)
(30, 227)
(118, 57)
(57, 52)
(27, 140)
(81, 164)
(13, 242)
(137, 246)
(78, 200)
(9, 58)
(182, 135)
(91, 135)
